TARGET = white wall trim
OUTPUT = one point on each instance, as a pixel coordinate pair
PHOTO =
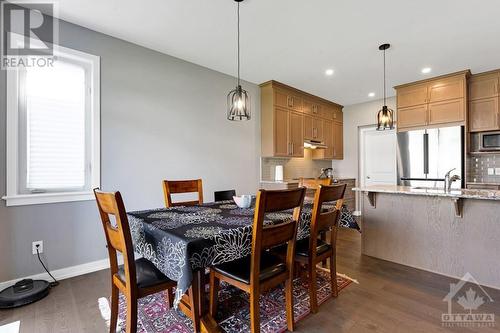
(66, 273)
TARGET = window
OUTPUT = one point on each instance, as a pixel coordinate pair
(53, 130)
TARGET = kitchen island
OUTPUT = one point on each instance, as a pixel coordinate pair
(449, 233)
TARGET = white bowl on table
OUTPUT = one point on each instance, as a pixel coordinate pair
(243, 201)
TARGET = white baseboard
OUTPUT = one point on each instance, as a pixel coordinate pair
(67, 272)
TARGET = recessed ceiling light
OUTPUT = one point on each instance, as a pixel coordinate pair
(426, 70)
(372, 94)
(329, 72)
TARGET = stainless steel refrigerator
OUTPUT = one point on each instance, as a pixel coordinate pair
(424, 156)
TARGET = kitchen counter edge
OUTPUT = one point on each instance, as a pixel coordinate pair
(454, 193)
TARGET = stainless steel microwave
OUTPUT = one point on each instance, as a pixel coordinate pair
(486, 141)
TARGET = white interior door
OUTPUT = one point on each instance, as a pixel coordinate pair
(377, 157)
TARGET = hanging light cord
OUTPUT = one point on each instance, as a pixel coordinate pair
(238, 43)
(385, 103)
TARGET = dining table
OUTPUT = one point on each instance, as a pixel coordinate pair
(183, 241)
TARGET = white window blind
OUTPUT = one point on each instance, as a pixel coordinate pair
(55, 127)
(53, 130)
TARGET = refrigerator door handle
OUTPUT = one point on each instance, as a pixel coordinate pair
(426, 154)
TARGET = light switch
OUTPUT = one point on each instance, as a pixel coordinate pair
(497, 171)
(491, 171)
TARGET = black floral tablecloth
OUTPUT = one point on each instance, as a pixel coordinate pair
(180, 240)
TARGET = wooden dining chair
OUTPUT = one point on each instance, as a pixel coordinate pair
(261, 270)
(135, 278)
(313, 250)
(182, 186)
(224, 195)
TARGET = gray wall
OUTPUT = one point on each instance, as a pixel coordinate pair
(161, 117)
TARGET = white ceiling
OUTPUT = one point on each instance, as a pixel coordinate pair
(295, 41)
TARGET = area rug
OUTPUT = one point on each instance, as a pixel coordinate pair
(154, 315)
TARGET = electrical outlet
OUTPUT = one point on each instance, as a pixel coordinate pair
(491, 171)
(35, 245)
(497, 171)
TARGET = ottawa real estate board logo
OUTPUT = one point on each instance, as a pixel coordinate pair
(465, 300)
(29, 33)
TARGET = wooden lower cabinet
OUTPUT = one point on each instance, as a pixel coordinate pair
(447, 111)
(349, 195)
(484, 114)
(413, 116)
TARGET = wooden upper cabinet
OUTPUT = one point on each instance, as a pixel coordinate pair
(413, 116)
(318, 129)
(281, 129)
(338, 141)
(288, 100)
(338, 115)
(308, 127)
(484, 114)
(326, 154)
(288, 116)
(296, 134)
(307, 106)
(295, 102)
(451, 111)
(446, 89)
(441, 100)
(484, 86)
(412, 95)
(280, 98)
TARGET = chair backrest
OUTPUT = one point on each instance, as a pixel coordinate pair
(324, 220)
(224, 195)
(311, 183)
(182, 186)
(118, 236)
(265, 237)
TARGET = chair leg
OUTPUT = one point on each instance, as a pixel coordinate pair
(194, 303)
(114, 308)
(214, 293)
(289, 304)
(333, 275)
(313, 300)
(131, 314)
(254, 311)
(170, 297)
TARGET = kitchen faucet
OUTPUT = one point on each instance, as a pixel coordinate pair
(449, 180)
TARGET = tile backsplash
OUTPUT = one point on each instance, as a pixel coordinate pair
(293, 167)
(483, 168)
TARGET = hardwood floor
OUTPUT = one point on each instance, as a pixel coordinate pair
(388, 298)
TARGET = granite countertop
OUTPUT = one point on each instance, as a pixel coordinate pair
(439, 192)
(285, 181)
(296, 180)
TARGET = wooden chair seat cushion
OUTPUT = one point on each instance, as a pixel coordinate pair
(302, 247)
(239, 270)
(147, 274)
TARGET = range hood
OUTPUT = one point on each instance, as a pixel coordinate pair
(313, 144)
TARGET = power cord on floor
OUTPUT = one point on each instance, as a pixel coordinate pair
(52, 284)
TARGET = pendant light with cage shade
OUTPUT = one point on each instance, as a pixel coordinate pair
(385, 116)
(238, 100)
